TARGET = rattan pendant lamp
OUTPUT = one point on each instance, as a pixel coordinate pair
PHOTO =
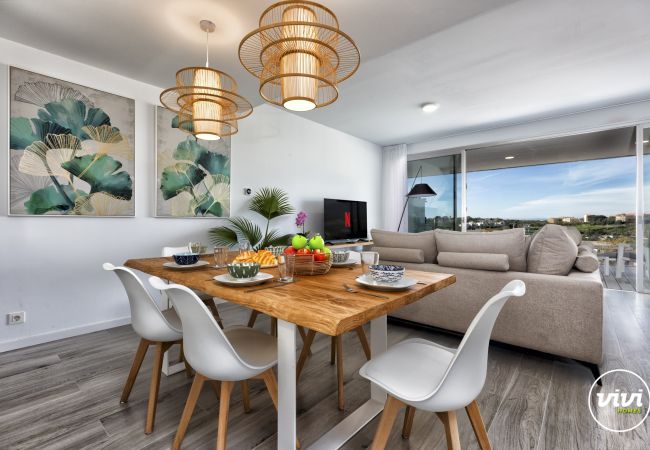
(206, 99)
(299, 54)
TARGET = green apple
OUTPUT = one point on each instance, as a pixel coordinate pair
(327, 251)
(316, 243)
(299, 241)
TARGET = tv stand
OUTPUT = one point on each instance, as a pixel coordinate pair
(351, 243)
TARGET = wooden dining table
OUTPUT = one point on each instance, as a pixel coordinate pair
(321, 303)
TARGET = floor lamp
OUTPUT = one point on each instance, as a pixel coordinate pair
(417, 190)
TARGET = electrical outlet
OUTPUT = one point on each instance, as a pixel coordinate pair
(16, 318)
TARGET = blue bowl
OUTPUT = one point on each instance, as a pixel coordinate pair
(186, 259)
(386, 273)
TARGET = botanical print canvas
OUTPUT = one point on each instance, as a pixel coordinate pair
(71, 148)
(192, 175)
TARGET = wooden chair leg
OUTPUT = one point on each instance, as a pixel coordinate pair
(161, 348)
(224, 409)
(391, 408)
(272, 386)
(408, 422)
(193, 396)
(339, 371)
(252, 318)
(306, 346)
(333, 350)
(135, 368)
(451, 429)
(477, 424)
(364, 341)
(245, 397)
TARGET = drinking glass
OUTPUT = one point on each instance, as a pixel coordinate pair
(221, 256)
(245, 246)
(368, 259)
(195, 247)
(286, 266)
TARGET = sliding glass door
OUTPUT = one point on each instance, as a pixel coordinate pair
(643, 210)
(442, 174)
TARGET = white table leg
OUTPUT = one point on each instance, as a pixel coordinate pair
(352, 424)
(286, 385)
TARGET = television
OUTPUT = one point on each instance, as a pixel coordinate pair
(344, 220)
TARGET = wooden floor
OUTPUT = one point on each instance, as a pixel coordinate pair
(65, 395)
(626, 282)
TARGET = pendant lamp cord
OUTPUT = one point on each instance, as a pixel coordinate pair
(207, 51)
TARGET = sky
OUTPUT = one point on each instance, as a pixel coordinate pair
(538, 192)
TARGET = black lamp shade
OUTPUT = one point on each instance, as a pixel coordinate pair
(421, 190)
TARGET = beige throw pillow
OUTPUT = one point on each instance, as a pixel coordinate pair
(409, 255)
(425, 240)
(552, 251)
(587, 261)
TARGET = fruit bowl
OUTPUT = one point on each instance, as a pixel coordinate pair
(243, 270)
(310, 265)
(386, 273)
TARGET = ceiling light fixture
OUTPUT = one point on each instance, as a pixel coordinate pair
(299, 55)
(206, 99)
(510, 157)
(429, 107)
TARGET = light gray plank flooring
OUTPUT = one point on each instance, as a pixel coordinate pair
(65, 394)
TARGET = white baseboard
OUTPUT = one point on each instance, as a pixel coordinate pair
(28, 341)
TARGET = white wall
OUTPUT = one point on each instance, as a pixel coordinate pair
(50, 267)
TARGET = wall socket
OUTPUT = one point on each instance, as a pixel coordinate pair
(16, 318)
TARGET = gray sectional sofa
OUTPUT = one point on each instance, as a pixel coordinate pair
(562, 311)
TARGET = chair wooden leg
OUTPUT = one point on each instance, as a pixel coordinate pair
(364, 341)
(224, 409)
(304, 353)
(339, 371)
(252, 318)
(135, 368)
(272, 386)
(193, 396)
(333, 350)
(408, 422)
(161, 348)
(245, 397)
(388, 416)
(477, 424)
(451, 429)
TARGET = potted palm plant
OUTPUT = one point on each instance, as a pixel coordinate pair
(267, 202)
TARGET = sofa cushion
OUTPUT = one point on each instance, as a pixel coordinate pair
(425, 240)
(479, 261)
(508, 242)
(586, 261)
(574, 234)
(411, 255)
(552, 251)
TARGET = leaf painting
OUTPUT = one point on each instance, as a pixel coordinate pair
(71, 148)
(192, 175)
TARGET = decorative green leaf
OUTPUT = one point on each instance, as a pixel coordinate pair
(23, 131)
(283, 239)
(206, 204)
(223, 236)
(215, 163)
(246, 230)
(271, 203)
(189, 150)
(101, 173)
(72, 114)
(51, 198)
(178, 178)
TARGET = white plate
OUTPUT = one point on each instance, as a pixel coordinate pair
(371, 283)
(347, 263)
(173, 265)
(228, 280)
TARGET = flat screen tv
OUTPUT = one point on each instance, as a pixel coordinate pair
(344, 220)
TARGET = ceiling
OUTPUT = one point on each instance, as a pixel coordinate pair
(487, 62)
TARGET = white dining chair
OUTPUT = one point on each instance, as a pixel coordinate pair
(159, 328)
(210, 301)
(219, 356)
(419, 374)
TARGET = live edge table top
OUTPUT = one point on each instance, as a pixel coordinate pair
(316, 302)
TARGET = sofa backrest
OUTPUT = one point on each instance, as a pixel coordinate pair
(425, 241)
(509, 242)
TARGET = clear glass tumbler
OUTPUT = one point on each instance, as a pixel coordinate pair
(286, 265)
(221, 256)
(368, 259)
